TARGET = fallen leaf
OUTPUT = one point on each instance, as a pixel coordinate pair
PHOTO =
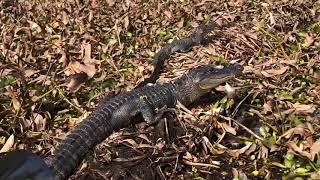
(230, 91)
(229, 129)
(308, 41)
(315, 149)
(237, 152)
(75, 81)
(267, 107)
(40, 121)
(293, 147)
(263, 153)
(15, 102)
(316, 75)
(304, 108)
(299, 130)
(9, 143)
(274, 72)
(34, 27)
(168, 14)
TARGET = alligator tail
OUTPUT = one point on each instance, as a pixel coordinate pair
(75, 146)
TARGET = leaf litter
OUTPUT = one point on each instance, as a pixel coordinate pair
(58, 59)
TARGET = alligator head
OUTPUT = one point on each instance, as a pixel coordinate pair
(201, 80)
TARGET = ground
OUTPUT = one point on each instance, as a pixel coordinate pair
(59, 58)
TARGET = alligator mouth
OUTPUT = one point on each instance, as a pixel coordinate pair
(211, 83)
(220, 76)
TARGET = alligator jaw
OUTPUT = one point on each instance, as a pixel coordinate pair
(219, 76)
(208, 84)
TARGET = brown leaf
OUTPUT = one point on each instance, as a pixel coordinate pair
(267, 107)
(9, 143)
(65, 18)
(299, 130)
(126, 22)
(168, 14)
(316, 75)
(237, 152)
(304, 108)
(15, 102)
(229, 129)
(230, 91)
(315, 149)
(30, 72)
(75, 81)
(293, 147)
(274, 72)
(308, 41)
(40, 121)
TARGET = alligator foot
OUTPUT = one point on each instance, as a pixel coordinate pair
(160, 113)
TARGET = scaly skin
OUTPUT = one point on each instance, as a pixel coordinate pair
(198, 37)
(118, 112)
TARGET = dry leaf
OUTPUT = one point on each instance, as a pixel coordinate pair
(316, 75)
(15, 102)
(263, 153)
(267, 107)
(299, 130)
(293, 147)
(126, 22)
(168, 14)
(315, 149)
(304, 108)
(75, 81)
(40, 121)
(237, 152)
(230, 91)
(308, 41)
(274, 72)
(9, 143)
(229, 129)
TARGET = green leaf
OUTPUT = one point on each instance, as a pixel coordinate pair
(283, 95)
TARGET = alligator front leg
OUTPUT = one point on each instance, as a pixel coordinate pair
(150, 115)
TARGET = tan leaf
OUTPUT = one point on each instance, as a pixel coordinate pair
(75, 81)
(316, 75)
(15, 101)
(168, 14)
(63, 58)
(304, 108)
(293, 147)
(308, 41)
(315, 149)
(230, 91)
(299, 130)
(237, 152)
(34, 27)
(229, 129)
(87, 53)
(40, 121)
(9, 143)
(263, 153)
(274, 72)
(65, 18)
(30, 72)
(126, 22)
(267, 107)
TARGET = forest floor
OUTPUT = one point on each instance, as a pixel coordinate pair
(59, 58)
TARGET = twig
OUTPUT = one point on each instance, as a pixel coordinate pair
(199, 164)
(244, 127)
(237, 108)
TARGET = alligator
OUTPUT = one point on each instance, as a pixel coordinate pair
(148, 102)
(198, 37)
